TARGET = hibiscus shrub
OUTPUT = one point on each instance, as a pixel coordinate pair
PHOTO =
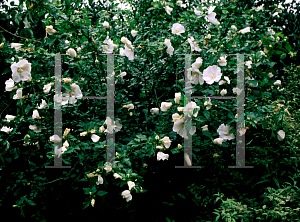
(152, 113)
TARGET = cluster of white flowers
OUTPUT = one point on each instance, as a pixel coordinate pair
(8, 119)
(126, 193)
(208, 104)
(21, 72)
(67, 97)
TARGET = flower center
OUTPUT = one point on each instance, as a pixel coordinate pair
(176, 31)
(72, 93)
(227, 132)
(213, 76)
(20, 70)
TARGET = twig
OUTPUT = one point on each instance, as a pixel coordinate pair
(6, 107)
(16, 141)
(53, 181)
(18, 36)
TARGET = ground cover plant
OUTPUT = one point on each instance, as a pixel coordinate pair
(151, 109)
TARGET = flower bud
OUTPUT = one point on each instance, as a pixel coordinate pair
(93, 202)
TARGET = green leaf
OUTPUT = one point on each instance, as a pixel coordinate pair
(26, 23)
(176, 150)
(30, 202)
(271, 64)
(86, 190)
(267, 94)
(168, 220)
(101, 193)
(142, 137)
(7, 146)
(283, 55)
(127, 161)
(27, 109)
(257, 64)
(265, 80)
(16, 19)
(67, 87)
(31, 164)
(206, 114)
(288, 47)
(151, 8)
(142, 95)
(207, 133)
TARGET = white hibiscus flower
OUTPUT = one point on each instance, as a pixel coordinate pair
(17, 46)
(168, 9)
(194, 45)
(35, 128)
(245, 30)
(162, 156)
(71, 52)
(212, 74)
(170, 49)
(50, 30)
(21, 71)
(6, 129)
(177, 29)
(194, 74)
(222, 61)
(126, 194)
(180, 128)
(9, 85)
(109, 48)
(280, 135)
(167, 142)
(211, 16)
(165, 106)
(189, 109)
(9, 118)
(224, 132)
(43, 105)
(18, 94)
